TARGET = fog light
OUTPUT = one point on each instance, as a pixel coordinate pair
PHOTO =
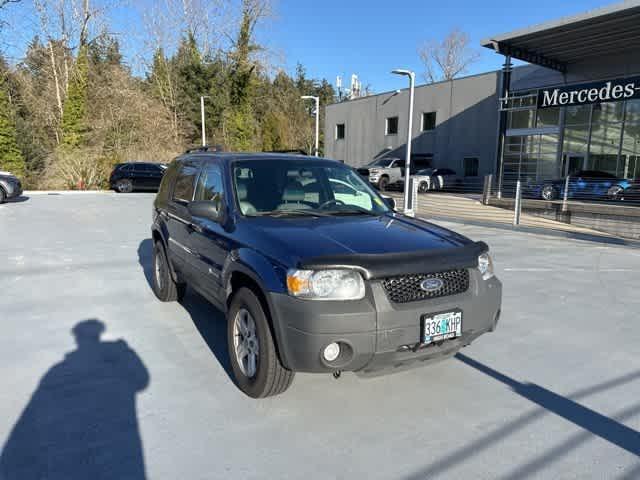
(331, 352)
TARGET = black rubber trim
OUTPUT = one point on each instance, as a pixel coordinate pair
(405, 263)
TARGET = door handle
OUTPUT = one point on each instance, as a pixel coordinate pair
(194, 227)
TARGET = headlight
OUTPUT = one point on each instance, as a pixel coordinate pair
(485, 266)
(325, 284)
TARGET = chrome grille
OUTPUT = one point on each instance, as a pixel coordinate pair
(406, 288)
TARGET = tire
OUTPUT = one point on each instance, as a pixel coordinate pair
(383, 184)
(3, 196)
(165, 288)
(423, 187)
(124, 186)
(267, 377)
(549, 192)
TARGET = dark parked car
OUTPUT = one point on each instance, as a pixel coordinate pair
(585, 184)
(127, 177)
(314, 269)
(10, 186)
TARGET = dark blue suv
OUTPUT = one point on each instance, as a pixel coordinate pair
(314, 269)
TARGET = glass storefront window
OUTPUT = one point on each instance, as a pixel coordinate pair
(578, 115)
(611, 112)
(521, 118)
(603, 150)
(630, 152)
(633, 111)
(576, 139)
(548, 117)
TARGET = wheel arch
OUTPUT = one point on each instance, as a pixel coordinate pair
(239, 274)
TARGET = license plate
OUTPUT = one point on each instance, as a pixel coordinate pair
(441, 326)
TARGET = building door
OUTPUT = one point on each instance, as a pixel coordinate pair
(572, 162)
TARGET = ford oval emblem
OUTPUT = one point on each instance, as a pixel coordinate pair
(431, 285)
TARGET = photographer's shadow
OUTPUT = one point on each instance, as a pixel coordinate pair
(81, 421)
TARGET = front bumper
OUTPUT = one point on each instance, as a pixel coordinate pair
(375, 334)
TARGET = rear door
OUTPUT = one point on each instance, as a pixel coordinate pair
(179, 218)
(208, 240)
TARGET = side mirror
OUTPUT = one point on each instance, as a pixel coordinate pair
(390, 201)
(209, 209)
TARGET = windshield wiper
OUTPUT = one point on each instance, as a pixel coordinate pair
(354, 210)
(291, 212)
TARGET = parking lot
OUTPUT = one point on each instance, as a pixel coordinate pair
(553, 393)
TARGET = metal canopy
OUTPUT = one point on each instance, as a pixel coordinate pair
(557, 44)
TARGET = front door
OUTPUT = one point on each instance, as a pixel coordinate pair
(208, 239)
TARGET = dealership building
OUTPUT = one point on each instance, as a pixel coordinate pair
(575, 105)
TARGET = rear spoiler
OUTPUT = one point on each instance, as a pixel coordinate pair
(405, 263)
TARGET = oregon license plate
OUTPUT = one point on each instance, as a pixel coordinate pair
(441, 326)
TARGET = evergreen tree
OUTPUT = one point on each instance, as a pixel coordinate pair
(11, 158)
(74, 121)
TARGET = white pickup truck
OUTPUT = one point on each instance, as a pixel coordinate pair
(384, 172)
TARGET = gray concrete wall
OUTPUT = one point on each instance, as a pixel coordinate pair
(466, 124)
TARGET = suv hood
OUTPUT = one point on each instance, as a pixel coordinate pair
(309, 238)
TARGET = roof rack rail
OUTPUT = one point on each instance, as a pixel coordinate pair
(206, 148)
(297, 151)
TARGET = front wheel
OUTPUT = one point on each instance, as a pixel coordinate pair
(252, 351)
(383, 184)
(549, 193)
(3, 196)
(423, 187)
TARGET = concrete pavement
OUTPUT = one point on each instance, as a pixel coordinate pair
(553, 393)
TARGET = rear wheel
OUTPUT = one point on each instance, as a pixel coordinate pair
(383, 184)
(254, 360)
(549, 192)
(124, 186)
(165, 288)
(423, 187)
(3, 196)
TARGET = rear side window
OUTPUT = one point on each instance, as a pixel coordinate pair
(183, 188)
(209, 184)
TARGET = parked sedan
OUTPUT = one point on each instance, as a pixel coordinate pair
(437, 179)
(127, 177)
(10, 186)
(584, 184)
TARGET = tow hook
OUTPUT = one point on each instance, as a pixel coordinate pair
(337, 374)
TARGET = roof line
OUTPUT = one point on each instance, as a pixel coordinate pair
(563, 21)
(416, 87)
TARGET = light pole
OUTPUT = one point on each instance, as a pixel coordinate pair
(317, 100)
(407, 164)
(204, 135)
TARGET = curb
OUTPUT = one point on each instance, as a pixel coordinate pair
(542, 231)
(65, 192)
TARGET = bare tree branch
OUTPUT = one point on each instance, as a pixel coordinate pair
(449, 58)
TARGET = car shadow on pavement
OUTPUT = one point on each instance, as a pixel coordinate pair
(208, 320)
(610, 429)
(81, 421)
(20, 199)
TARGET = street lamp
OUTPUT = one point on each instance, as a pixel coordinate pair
(317, 100)
(407, 165)
(204, 135)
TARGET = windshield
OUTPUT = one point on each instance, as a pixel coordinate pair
(302, 187)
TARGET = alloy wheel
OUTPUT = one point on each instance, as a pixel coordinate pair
(245, 343)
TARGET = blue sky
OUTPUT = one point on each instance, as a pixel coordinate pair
(341, 37)
(371, 37)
